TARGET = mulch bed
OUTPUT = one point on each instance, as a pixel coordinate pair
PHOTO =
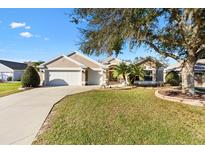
(179, 94)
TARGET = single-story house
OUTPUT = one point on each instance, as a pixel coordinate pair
(153, 70)
(78, 69)
(72, 69)
(110, 63)
(11, 69)
(199, 71)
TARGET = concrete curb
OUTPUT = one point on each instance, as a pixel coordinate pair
(192, 102)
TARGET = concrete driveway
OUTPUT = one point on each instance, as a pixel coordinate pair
(22, 114)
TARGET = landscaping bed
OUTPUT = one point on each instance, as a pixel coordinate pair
(179, 94)
(132, 116)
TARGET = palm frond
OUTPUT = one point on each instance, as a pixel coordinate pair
(120, 70)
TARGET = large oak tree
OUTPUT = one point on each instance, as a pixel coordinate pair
(175, 33)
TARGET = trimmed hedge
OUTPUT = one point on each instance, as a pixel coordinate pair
(30, 77)
(173, 78)
(9, 78)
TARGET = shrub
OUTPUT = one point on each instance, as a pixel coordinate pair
(173, 78)
(9, 78)
(30, 77)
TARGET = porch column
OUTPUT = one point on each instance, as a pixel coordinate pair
(203, 80)
(46, 77)
(83, 71)
(42, 76)
(103, 77)
(164, 75)
(154, 74)
(106, 76)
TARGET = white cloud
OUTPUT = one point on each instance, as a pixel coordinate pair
(42, 37)
(28, 27)
(14, 25)
(46, 38)
(26, 34)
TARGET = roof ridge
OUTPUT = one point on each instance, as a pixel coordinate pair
(86, 57)
(150, 57)
(12, 61)
(51, 60)
(75, 61)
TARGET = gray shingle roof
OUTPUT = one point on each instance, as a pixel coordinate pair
(14, 65)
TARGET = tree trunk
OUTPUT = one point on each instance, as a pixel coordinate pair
(188, 77)
(124, 78)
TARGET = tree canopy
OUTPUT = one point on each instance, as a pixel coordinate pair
(170, 32)
(176, 33)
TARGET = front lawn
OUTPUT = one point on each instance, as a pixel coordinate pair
(122, 117)
(9, 88)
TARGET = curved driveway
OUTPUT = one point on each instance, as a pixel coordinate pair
(22, 114)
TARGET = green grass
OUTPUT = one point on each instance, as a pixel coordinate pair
(9, 88)
(122, 117)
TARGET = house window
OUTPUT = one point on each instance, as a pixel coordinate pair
(147, 75)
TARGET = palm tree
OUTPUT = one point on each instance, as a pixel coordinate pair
(134, 71)
(121, 70)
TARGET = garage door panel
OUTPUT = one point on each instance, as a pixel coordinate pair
(57, 82)
(61, 78)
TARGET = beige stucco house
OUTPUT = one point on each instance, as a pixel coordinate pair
(110, 63)
(153, 70)
(78, 69)
(72, 69)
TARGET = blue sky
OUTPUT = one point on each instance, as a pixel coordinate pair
(42, 34)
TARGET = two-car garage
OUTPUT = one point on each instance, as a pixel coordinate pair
(74, 69)
(63, 77)
(72, 77)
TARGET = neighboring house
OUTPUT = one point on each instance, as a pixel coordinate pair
(199, 72)
(153, 71)
(11, 69)
(110, 63)
(72, 69)
(78, 69)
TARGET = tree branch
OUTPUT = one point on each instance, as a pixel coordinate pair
(200, 50)
(166, 54)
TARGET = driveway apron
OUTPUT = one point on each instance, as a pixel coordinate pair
(22, 114)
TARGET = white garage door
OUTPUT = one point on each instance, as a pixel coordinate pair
(61, 78)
